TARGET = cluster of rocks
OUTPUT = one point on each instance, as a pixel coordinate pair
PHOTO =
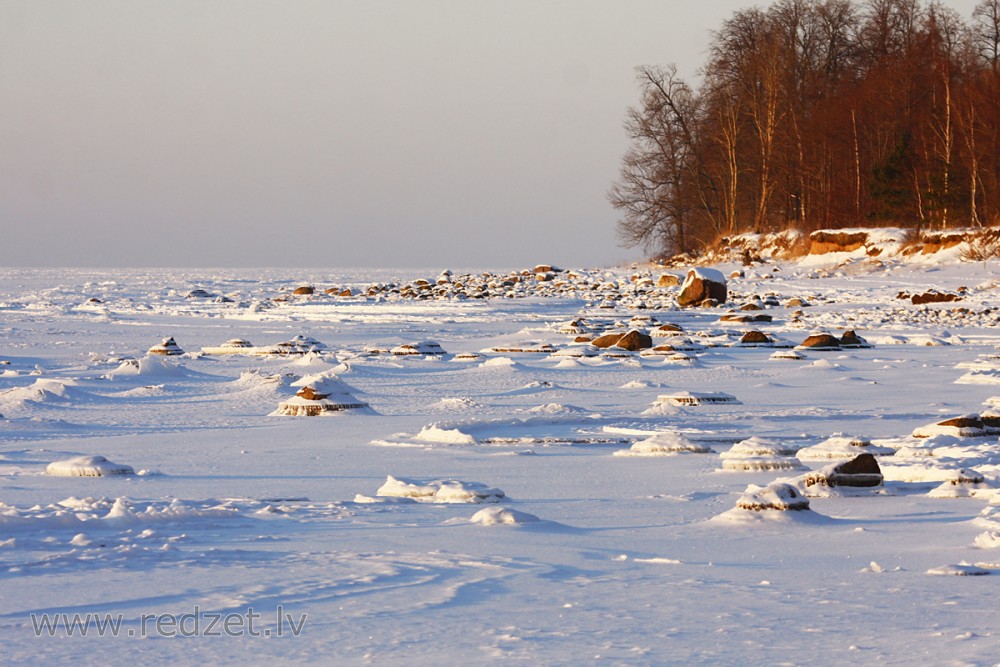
(933, 296)
(822, 340)
(541, 281)
(299, 345)
(639, 289)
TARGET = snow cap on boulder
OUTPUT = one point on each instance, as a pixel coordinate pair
(861, 471)
(319, 394)
(168, 347)
(701, 285)
(87, 466)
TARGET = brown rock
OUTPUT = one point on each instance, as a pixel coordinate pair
(744, 317)
(933, 296)
(965, 421)
(305, 289)
(861, 471)
(755, 337)
(698, 288)
(607, 340)
(822, 342)
(634, 341)
(851, 339)
(668, 328)
(310, 394)
(668, 280)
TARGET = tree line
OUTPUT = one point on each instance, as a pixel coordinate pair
(815, 114)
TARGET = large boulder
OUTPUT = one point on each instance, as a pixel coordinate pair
(607, 340)
(701, 285)
(821, 341)
(851, 339)
(635, 341)
(754, 337)
(861, 471)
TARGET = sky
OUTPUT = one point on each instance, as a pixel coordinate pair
(331, 133)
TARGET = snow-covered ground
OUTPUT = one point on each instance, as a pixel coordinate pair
(475, 509)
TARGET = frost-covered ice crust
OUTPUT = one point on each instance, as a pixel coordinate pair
(485, 484)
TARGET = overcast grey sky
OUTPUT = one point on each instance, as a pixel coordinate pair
(328, 133)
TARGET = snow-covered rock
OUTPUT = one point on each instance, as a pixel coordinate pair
(87, 466)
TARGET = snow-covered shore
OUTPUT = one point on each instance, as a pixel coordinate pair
(476, 510)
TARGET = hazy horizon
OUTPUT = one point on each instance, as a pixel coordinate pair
(238, 134)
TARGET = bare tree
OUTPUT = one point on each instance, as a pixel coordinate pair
(653, 189)
(986, 31)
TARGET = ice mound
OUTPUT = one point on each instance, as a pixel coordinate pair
(439, 491)
(298, 345)
(231, 346)
(693, 398)
(555, 409)
(317, 362)
(43, 390)
(758, 454)
(989, 539)
(958, 570)
(840, 446)
(257, 378)
(423, 347)
(501, 362)
(778, 501)
(438, 433)
(965, 426)
(664, 444)
(776, 496)
(985, 376)
(639, 384)
(454, 404)
(146, 366)
(824, 365)
(87, 466)
(319, 394)
(493, 516)
(167, 347)
(963, 483)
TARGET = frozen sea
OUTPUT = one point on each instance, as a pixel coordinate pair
(477, 510)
